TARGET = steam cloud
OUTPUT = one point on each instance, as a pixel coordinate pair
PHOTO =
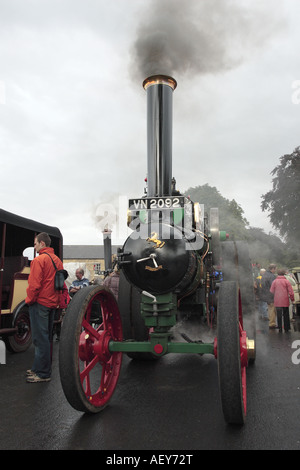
(200, 36)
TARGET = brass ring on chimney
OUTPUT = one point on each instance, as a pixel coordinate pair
(160, 80)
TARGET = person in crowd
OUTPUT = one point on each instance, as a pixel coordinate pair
(112, 282)
(79, 282)
(261, 304)
(256, 270)
(267, 296)
(43, 300)
(290, 277)
(283, 292)
(64, 300)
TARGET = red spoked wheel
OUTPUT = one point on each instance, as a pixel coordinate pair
(231, 353)
(89, 372)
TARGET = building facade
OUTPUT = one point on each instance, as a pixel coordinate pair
(88, 257)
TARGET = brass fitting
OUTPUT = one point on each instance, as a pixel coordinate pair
(250, 348)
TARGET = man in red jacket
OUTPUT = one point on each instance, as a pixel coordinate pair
(283, 292)
(43, 300)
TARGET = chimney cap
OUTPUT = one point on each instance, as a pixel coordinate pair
(160, 80)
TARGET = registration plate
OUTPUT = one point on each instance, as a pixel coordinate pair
(174, 202)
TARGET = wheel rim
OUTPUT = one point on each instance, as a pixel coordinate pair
(88, 370)
(93, 351)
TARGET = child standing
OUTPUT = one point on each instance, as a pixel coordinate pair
(283, 292)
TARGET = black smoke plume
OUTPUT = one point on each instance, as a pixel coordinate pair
(176, 37)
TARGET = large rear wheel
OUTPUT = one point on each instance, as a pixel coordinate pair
(88, 371)
(231, 353)
(236, 266)
(129, 300)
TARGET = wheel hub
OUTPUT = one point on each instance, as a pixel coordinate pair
(251, 348)
(90, 346)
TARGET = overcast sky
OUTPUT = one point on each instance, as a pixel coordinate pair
(73, 110)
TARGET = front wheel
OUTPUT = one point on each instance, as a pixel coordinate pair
(232, 353)
(21, 340)
(88, 371)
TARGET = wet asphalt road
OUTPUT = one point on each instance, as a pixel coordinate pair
(170, 404)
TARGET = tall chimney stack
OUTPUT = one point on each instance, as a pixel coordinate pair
(159, 134)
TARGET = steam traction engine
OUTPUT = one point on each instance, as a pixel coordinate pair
(175, 261)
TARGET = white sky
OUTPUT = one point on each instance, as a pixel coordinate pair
(73, 119)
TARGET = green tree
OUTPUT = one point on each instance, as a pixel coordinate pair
(231, 218)
(264, 248)
(267, 248)
(283, 200)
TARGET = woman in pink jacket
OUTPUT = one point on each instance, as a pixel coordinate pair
(283, 292)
